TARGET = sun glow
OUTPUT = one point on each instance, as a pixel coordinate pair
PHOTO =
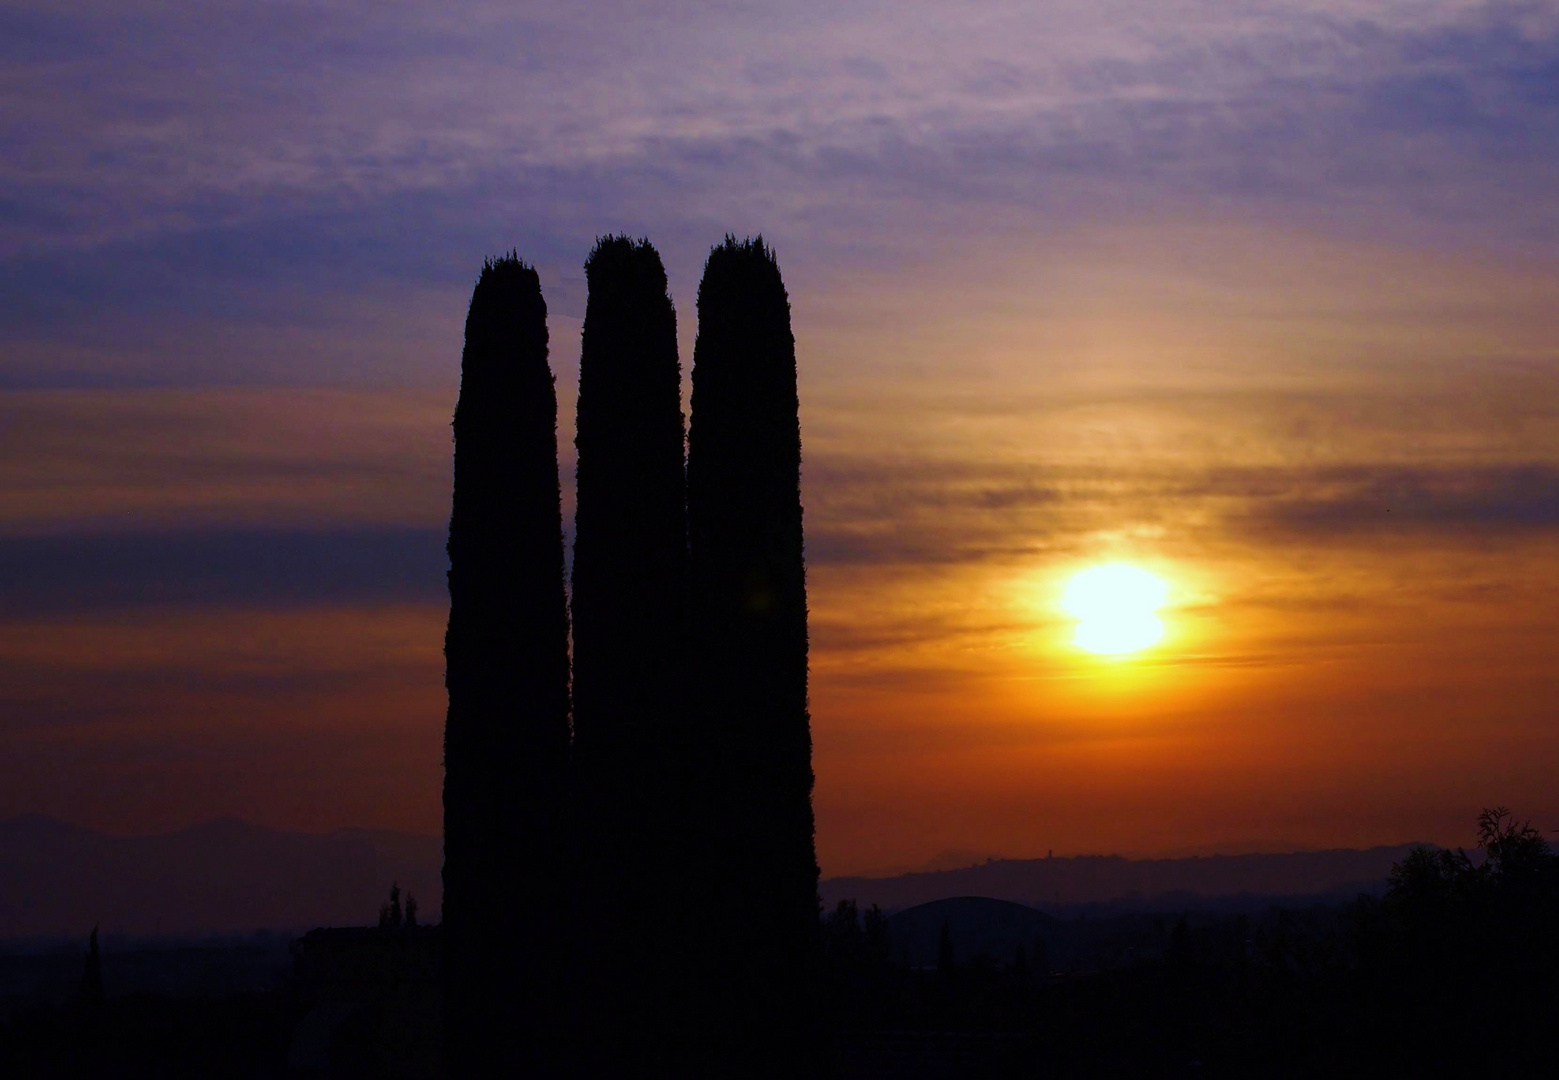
(1115, 607)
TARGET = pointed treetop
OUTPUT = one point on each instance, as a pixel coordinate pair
(743, 266)
(618, 256)
(505, 264)
(506, 276)
(507, 297)
(751, 252)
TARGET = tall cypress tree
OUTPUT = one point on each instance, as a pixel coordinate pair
(506, 740)
(749, 625)
(629, 605)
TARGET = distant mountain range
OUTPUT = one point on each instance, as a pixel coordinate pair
(1079, 881)
(216, 878)
(225, 877)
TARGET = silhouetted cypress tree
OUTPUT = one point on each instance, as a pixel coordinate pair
(92, 980)
(749, 624)
(946, 963)
(629, 610)
(89, 1046)
(506, 741)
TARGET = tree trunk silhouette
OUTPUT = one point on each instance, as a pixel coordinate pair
(506, 740)
(749, 624)
(629, 608)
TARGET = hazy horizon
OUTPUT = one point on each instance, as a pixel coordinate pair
(947, 859)
(228, 877)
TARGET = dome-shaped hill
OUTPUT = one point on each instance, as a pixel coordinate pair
(978, 924)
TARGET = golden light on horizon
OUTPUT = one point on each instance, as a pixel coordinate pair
(1116, 608)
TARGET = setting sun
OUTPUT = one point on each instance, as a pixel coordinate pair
(1115, 608)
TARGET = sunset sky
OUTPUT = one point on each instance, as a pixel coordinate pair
(1260, 298)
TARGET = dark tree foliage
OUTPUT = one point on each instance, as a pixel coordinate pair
(857, 983)
(390, 914)
(87, 1039)
(749, 618)
(1462, 942)
(629, 608)
(506, 741)
(945, 964)
(1454, 973)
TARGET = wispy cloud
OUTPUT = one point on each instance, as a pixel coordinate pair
(1361, 503)
(233, 163)
(901, 514)
(96, 461)
(52, 575)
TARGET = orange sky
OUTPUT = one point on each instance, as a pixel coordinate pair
(1343, 457)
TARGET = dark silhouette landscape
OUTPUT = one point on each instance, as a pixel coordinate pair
(954, 987)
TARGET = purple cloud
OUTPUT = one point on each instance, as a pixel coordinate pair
(230, 162)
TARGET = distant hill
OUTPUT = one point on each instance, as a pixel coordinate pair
(977, 925)
(218, 877)
(1133, 883)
